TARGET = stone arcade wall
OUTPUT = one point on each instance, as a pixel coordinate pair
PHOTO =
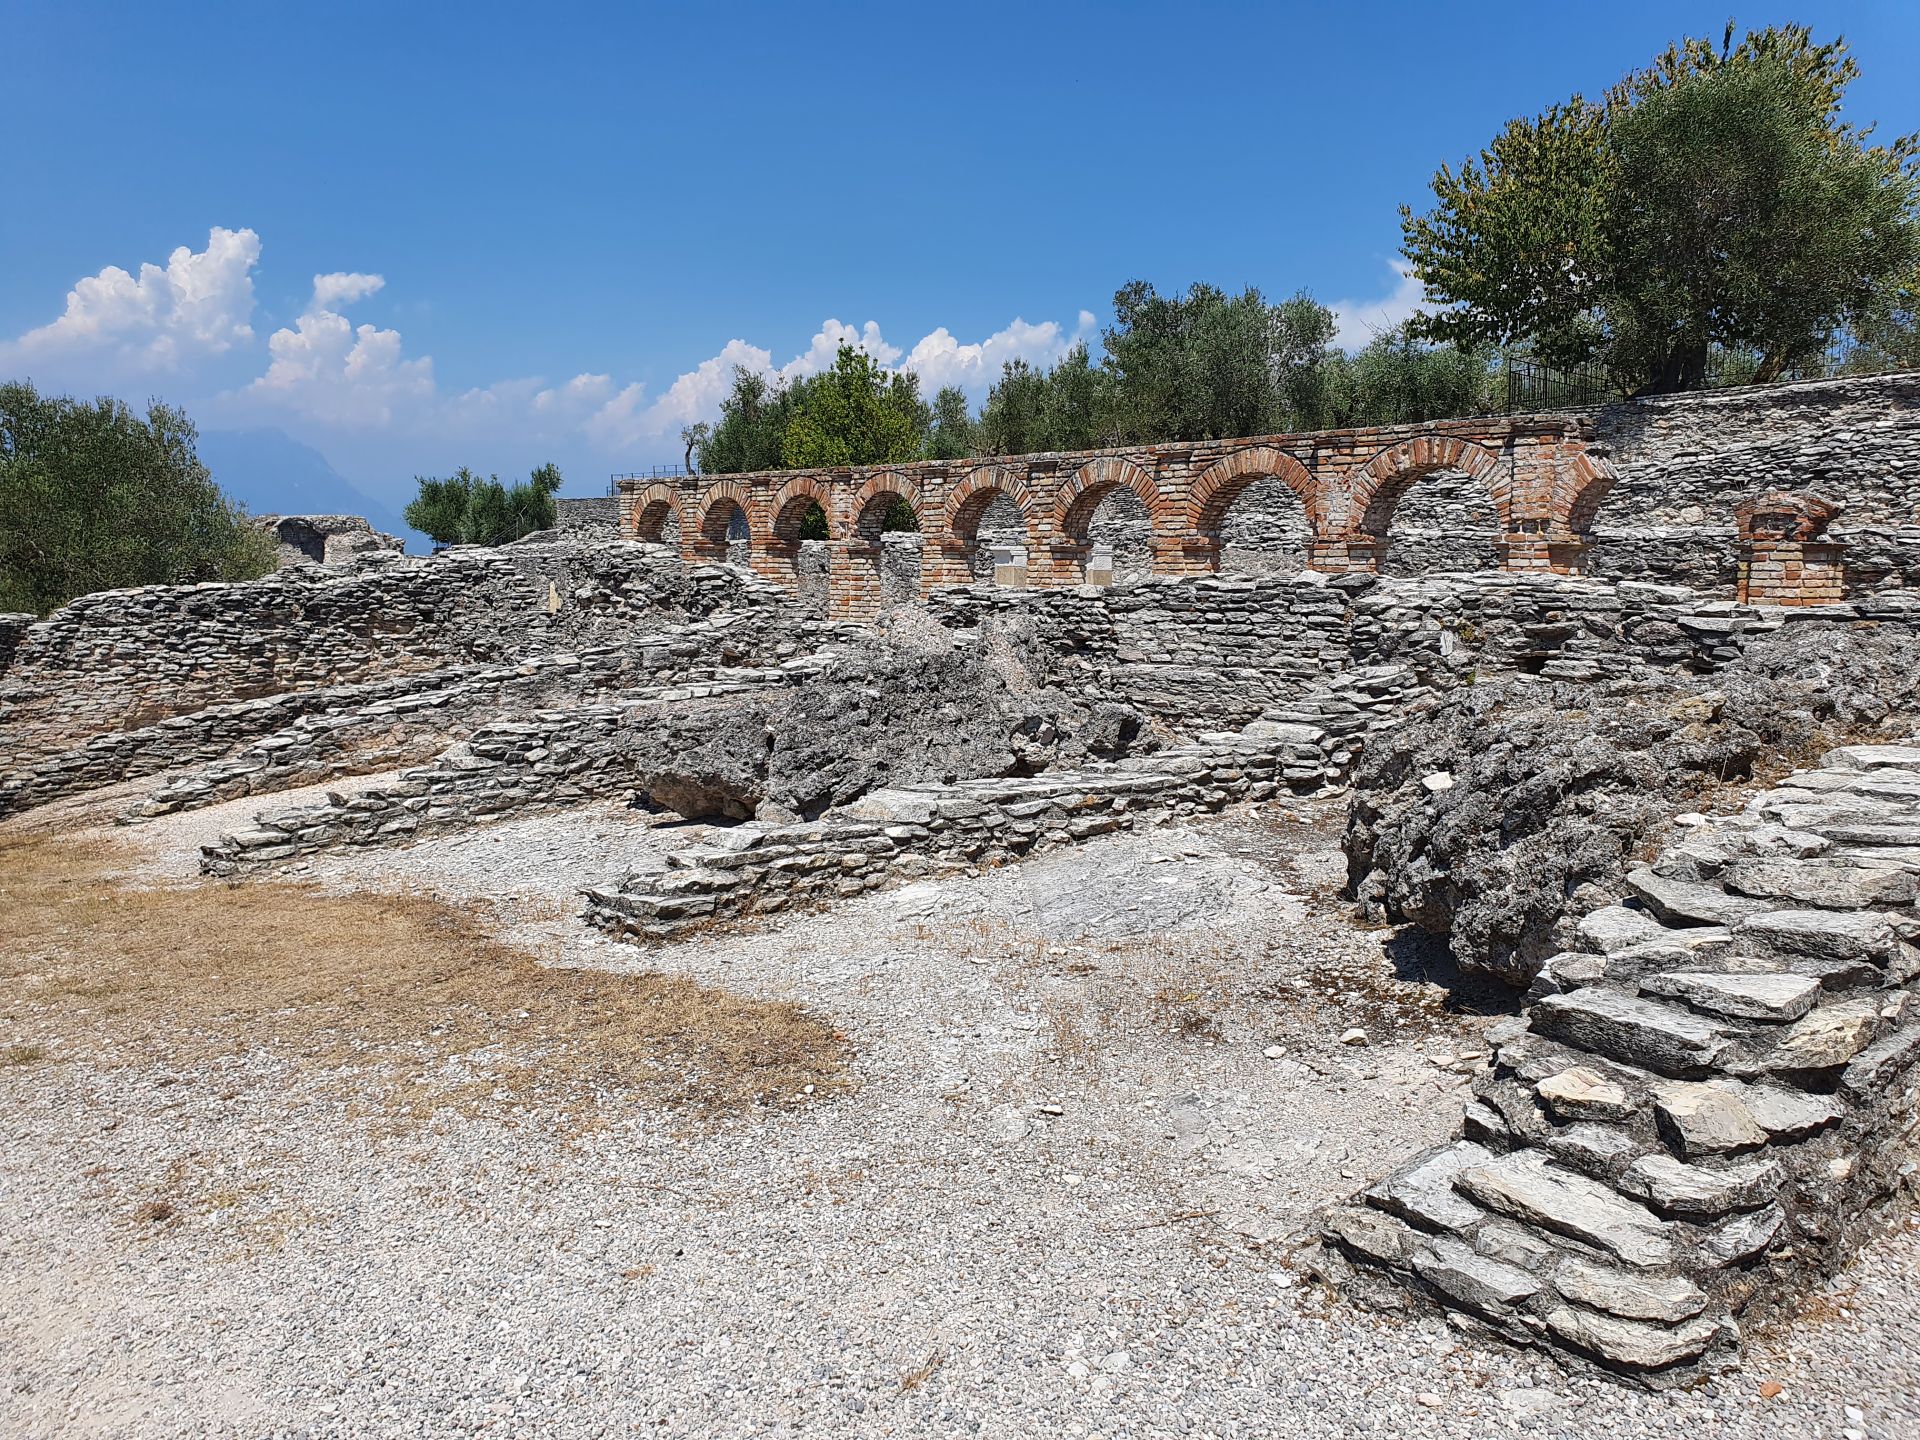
(1702, 1108)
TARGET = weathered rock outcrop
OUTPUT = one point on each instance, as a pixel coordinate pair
(1504, 812)
(906, 707)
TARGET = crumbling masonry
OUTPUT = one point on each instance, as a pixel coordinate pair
(1711, 1092)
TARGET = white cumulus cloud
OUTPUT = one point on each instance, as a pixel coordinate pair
(343, 287)
(1358, 321)
(357, 383)
(198, 304)
(327, 368)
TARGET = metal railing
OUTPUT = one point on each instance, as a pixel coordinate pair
(1534, 386)
(657, 472)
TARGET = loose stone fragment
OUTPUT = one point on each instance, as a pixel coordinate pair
(1512, 1244)
(1820, 934)
(1704, 1120)
(1590, 1147)
(1690, 902)
(1659, 1037)
(1676, 1188)
(1422, 1191)
(1475, 1281)
(1871, 757)
(1744, 1236)
(1790, 1114)
(1613, 928)
(1583, 1094)
(1882, 1060)
(1370, 1233)
(1629, 1294)
(1829, 885)
(1529, 1187)
(1829, 1037)
(1743, 997)
(1632, 1344)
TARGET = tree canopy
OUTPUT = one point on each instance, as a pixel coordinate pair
(1714, 201)
(463, 509)
(1193, 366)
(857, 413)
(95, 497)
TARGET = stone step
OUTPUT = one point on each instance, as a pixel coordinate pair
(1527, 1186)
(1775, 997)
(1668, 1039)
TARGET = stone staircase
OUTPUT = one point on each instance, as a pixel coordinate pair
(1703, 1107)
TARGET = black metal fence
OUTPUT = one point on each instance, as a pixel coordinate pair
(1534, 386)
(657, 472)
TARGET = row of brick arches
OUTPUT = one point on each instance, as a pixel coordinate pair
(1542, 476)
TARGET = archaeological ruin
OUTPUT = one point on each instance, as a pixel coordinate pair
(1618, 703)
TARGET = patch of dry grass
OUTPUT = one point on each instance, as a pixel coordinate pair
(404, 996)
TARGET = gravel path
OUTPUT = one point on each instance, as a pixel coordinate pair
(1098, 1095)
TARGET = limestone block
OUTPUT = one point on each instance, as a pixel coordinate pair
(1663, 1038)
(1776, 997)
(1631, 1295)
(1633, 1344)
(1705, 1120)
(1528, 1186)
(1696, 1192)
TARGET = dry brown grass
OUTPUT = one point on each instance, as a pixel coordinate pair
(406, 999)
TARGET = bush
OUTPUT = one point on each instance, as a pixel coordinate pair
(93, 497)
(463, 509)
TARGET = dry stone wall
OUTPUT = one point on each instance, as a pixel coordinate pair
(1703, 1106)
(124, 659)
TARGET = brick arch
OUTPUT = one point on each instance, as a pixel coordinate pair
(1092, 483)
(1591, 478)
(1379, 484)
(874, 500)
(976, 490)
(717, 503)
(1221, 483)
(651, 507)
(791, 503)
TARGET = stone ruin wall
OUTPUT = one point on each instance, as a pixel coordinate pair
(1701, 1106)
(1705, 1105)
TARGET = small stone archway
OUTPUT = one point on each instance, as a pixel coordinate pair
(885, 564)
(1377, 488)
(656, 515)
(1296, 525)
(967, 505)
(1117, 497)
(724, 536)
(795, 559)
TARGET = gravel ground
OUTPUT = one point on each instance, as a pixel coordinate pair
(1098, 1096)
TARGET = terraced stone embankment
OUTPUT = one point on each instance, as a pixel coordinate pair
(1703, 1106)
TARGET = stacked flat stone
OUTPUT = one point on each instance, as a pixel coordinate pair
(903, 833)
(545, 759)
(122, 660)
(1703, 1107)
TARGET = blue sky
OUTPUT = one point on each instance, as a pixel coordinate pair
(417, 236)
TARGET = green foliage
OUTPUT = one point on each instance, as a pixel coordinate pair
(1397, 379)
(463, 509)
(857, 413)
(93, 497)
(951, 434)
(1714, 201)
(1206, 365)
(1069, 407)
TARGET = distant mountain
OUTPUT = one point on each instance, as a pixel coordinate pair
(271, 473)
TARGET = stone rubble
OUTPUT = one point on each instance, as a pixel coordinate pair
(1687, 1129)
